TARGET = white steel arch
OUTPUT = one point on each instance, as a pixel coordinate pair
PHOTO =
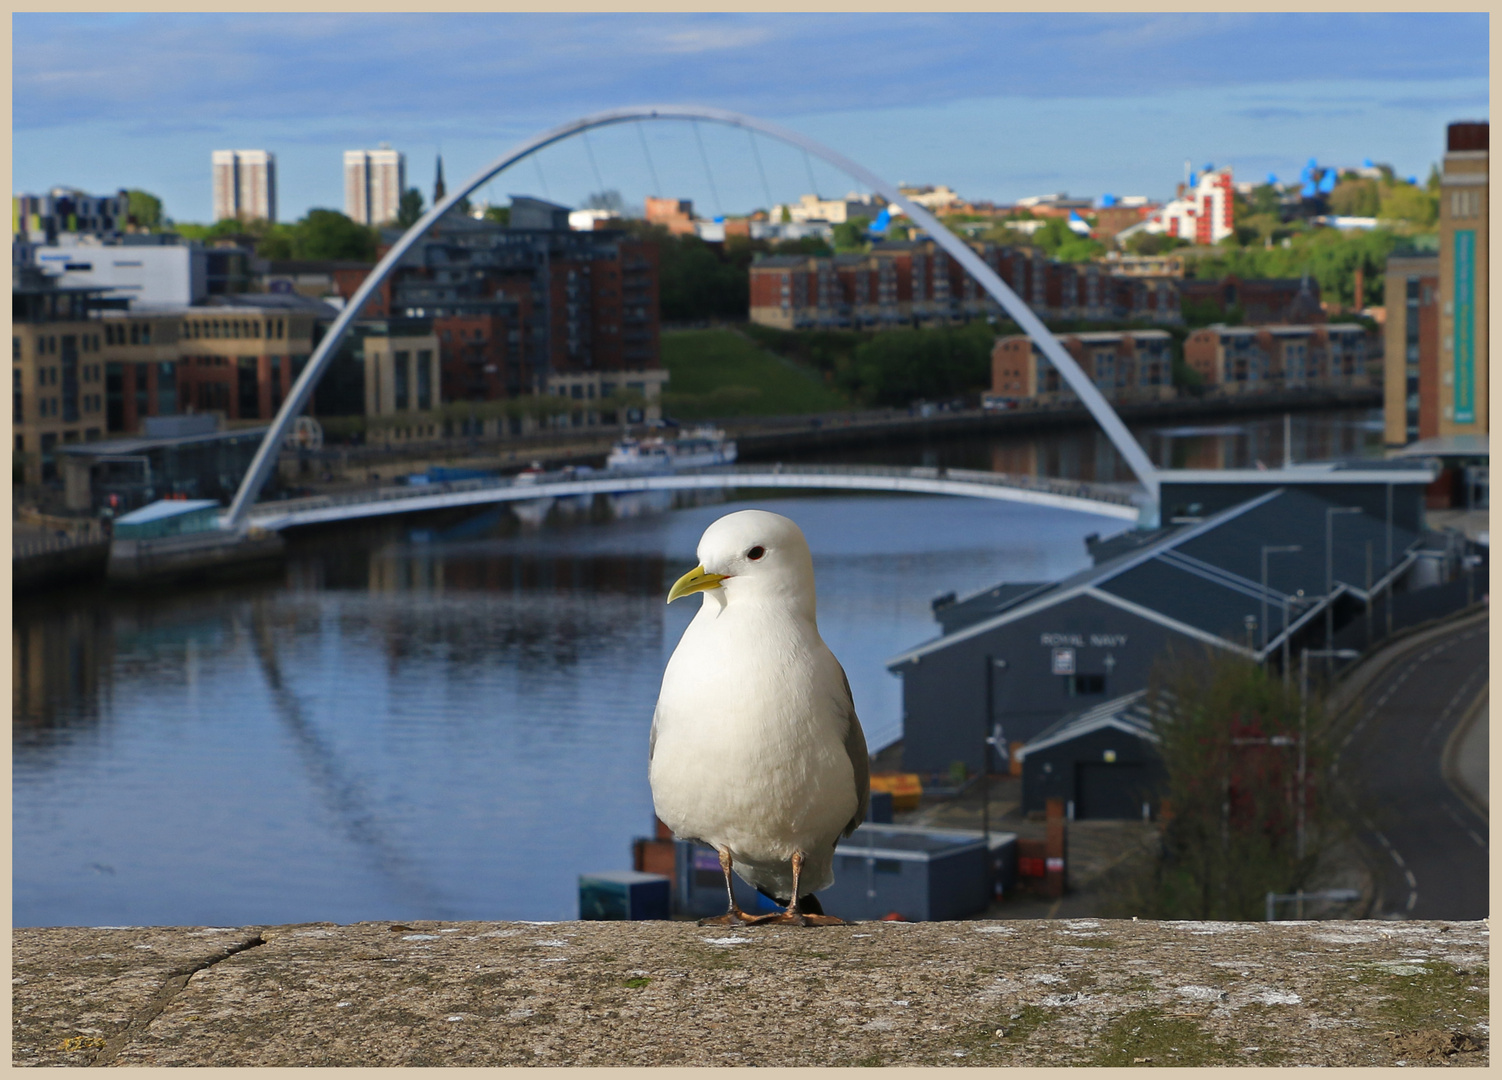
(1079, 382)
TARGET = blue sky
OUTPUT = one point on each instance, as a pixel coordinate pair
(999, 106)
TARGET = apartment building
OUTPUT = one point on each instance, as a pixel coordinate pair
(66, 213)
(811, 208)
(1464, 215)
(1203, 212)
(239, 358)
(676, 215)
(517, 308)
(244, 184)
(57, 373)
(82, 370)
(402, 368)
(156, 273)
(1247, 359)
(910, 283)
(1129, 365)
(1411, 354)
(373, 184)
(1256, 301)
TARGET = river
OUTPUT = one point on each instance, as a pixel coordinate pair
(446, 717)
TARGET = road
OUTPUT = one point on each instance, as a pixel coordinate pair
(1431, 843)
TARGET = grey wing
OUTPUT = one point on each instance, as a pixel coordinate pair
(652, 738)
(860, 760)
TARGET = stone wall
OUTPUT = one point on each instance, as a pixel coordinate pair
(1045, 992)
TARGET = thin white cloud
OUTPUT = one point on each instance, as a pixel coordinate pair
(712, 39)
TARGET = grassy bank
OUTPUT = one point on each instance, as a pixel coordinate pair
(719, 373)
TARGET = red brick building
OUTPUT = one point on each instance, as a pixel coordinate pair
(1133, 365)
(535, 307)
(912, 283)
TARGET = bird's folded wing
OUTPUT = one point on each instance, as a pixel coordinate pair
(652, 738)
(860, 760)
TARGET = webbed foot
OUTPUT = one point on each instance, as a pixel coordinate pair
(799, 918)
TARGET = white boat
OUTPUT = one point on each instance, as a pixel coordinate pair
(695, 449)
(633, 504)
(533, 511)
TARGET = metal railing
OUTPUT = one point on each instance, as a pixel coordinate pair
(27, 546)
(1120, 495)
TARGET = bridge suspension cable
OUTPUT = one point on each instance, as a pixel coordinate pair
(708, 172)
(651, 168)
(590, 150)
(813, 185)
(766, 188)
(1081, 383)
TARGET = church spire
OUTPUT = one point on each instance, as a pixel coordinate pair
(438, 188)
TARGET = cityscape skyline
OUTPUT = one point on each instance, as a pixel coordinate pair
(1134, 97)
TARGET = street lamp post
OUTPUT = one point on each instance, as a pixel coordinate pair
(1305, 654)
(1330, 567)
(1275, 549)
(993, 665)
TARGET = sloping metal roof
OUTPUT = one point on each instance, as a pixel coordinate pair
(1446, 446)
(1205, 579)
(166, 508)
(1128, 713)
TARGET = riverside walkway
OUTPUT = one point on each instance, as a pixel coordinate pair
(1109, 500)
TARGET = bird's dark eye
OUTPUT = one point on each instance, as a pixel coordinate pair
(755, 553)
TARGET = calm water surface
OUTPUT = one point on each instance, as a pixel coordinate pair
(447, 717)
(420, 723)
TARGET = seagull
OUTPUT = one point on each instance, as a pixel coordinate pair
(755, 747)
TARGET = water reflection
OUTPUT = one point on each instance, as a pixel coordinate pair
(446, 717)
(1087, 453)
(436, 718)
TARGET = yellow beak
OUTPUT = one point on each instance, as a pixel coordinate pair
(696, 580)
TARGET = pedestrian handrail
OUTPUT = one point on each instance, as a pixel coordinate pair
(1120, 495)
(43, 545)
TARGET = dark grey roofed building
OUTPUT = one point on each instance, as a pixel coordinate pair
(1103, 762)
(1378, 486)
(1020, 657)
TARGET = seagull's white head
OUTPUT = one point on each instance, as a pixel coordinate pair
(752, 556)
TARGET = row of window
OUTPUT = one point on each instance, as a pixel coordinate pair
(136, 333)
(51, 345)
(235, 328)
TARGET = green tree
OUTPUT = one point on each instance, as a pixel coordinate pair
(697, 282)
(145, 209)
(1228, 739)
(1405, 203)
(1330, 256)
(852, 235)
(1146, 243)
(328, 234)
(278, 242)
(1266, 199)
(1355, 198)
(900, 366)
(501, 215)
(409, 208)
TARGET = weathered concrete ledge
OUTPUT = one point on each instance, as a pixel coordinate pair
(1045, 992)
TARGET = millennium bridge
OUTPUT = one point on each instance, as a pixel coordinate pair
(1109, 500)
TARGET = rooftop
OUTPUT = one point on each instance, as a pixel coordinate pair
(1128, 713)
(1204, 578)
(166, 508)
